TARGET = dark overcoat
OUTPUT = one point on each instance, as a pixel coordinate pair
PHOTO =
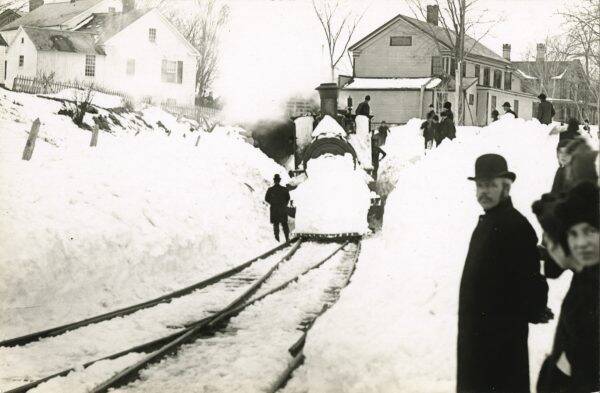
(447, 127)
(278, 197)
(500, 291)
(545, 112)
(577, 335)
(363, 109)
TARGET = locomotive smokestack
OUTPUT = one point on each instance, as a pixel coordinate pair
(328, 92)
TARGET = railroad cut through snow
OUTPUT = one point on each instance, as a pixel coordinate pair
(334, 199)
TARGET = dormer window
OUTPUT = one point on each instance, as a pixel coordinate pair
(152, 35)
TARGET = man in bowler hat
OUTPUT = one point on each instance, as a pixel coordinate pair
(501, 289)
(278, 197)
(545, 110)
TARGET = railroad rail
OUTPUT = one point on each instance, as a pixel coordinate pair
(169, 344)
(55, 331)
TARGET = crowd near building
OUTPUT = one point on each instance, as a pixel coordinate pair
(107, 43)
(407, 64)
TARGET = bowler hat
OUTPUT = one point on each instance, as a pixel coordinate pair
(542, 96)
(277, 177)
(506, 104)
(491, 166)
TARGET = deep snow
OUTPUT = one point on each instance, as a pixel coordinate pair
(86, 230)
(394, 327)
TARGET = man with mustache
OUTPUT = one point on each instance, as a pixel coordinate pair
(501, 289)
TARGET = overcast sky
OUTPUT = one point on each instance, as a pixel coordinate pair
(274, 48)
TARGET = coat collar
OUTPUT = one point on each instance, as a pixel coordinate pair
(499, 208)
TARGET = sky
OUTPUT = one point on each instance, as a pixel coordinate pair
(273, 49)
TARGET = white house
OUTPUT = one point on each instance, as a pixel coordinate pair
(137, 52)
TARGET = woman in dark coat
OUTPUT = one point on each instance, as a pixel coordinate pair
(448, 130)
(571, 232)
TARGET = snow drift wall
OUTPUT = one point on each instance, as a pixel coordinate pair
(85, 230)
(394, 328)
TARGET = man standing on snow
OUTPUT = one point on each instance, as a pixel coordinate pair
(501, 289)
(363, 108)
(278, 197)
(545, 110)
(506, 107)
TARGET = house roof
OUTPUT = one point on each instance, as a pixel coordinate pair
(108, 24)
(391, 83)
(8, 16)
(437, 32)
(532, 68)
(63, 41)
(2, 42)
(53, 14)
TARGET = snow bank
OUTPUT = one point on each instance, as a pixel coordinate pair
(328, 126)
(334, 199)
(395, 326)
(85, 230)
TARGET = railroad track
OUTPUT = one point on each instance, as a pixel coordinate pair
(245, 284)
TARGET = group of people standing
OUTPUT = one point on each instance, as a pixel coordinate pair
(502, 289)
(437, 128)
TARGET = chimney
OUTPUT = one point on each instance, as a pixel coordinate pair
(433, 14)
(506, 51)
(328, 92)
(33, 4)
(541, 52)
(128, 5)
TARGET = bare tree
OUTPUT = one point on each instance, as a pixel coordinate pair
(338, 26)
(458, 18)
(15, 5)
(583, 23)
(201, 24)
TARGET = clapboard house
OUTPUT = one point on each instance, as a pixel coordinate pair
(407, 64)
(135, 51)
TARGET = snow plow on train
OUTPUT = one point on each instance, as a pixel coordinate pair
(332, 172)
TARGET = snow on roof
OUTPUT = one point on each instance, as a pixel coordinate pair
(328, 125)
(524, 75)
(561, 75)
(391, 83)
(106, 25)
(8, 16)
(53, 14)
(63, 41)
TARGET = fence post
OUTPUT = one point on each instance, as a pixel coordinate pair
(94, 140)
(28, 151)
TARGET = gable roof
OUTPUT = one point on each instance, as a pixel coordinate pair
(433, 31)
(559, 68)
(63, 41)
(2, 41)
(53, 14)
(7, 16)
(106, 25)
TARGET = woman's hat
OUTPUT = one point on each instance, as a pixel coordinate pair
(506, 104)
(491, 166)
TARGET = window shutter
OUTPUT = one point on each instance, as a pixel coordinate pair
(437, 67)
(179, 72)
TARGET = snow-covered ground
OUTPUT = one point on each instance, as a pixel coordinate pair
(86, 230)
(394, 328)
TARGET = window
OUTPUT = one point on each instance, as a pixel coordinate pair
(494, 102)
(21, 61)
(437, 66)
(508, 81)
(516, 109)
(486, 76)
(453, 67)
(90, 65)
(112, 10)
(171, 102)
(152, 35)
(172, 71)
(471, 99)
(130, 67)
(477, 71)
(464, 69)
(498, 79)
(401, 41)
(22, 40)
